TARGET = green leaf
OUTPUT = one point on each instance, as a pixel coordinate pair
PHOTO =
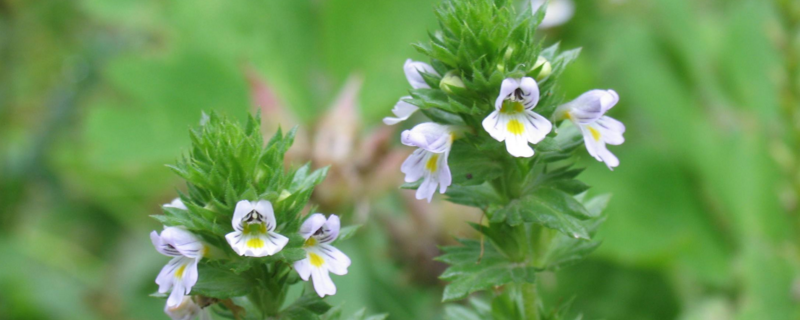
(551, 207)
(310, 302)
(468, 274)
(220, 283)
(470, 166)
(347, 232)
(480, 196)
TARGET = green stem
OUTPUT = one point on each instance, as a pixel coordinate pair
(530, 301)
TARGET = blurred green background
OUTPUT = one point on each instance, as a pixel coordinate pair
(96, 96)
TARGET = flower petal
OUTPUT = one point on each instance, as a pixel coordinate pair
(428, 187)
(530, 92)
(517, 145)
(508, 87)
(176, 203)
(303, 268)
(186, 310)
(190, 276)
(264, 208)
(412, 70)
(495, 124)
(445, 178)
(589, 106)
(322, 282)
(558, 12)
(186, 243)
(536, 126)
(330, 230)
(311, 225)
(402, 111)
(175, 297)
(336, 261)
(611, 130)
(256, 245)
(242, 208)
(430, 136)
(163, 247)
(414, 166)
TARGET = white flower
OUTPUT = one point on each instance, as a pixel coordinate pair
(587, 112)
(180, 274)
(186, 310)
(413, 69)
(321, 257)
(558, 12)
(429, 162)
(176, 203)
(402, 111)
(253, 225)
(513, 120)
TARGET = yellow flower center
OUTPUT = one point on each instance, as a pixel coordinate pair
(315, 259)
(310, 242)
(510, 107)
(515, 127)
(179, 272)
(255, 243)
(255, 228)
(595, 133)
(432, 163)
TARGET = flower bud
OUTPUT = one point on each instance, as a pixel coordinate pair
(546, 68)
(451, 79)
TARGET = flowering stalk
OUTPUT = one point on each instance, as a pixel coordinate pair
(500, 139)
(237, 237)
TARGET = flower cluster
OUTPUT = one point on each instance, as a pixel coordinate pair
(225, 246)
(512, 121)
(500, 139)
(253, 236)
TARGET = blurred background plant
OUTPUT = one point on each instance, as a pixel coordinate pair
(96, 96)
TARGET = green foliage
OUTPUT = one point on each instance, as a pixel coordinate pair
(536, 218)
(470, 272)
(227, 163)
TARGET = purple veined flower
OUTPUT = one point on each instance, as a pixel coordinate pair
(587, 112)
(321, 257)
(180, 273)
(429, 161)
(254, 225)
(513, 119)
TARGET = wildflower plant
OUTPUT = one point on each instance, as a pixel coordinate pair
(237, 236)
(497, 140)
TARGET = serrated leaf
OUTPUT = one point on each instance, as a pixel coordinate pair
(480, 196)
(219, 283)
(311, 302)
(470, 166)
(467, 275)
(553, 208)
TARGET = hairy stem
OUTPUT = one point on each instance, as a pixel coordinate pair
(530, 301)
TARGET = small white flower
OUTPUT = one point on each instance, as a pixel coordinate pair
(558, 12)
(402, 111)
(180, 274)
(429, 162)
(176, 203)
(321, 257)
(587, 112)
(253, 225)
(513, 120)
(413, 69)
(186, 310)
